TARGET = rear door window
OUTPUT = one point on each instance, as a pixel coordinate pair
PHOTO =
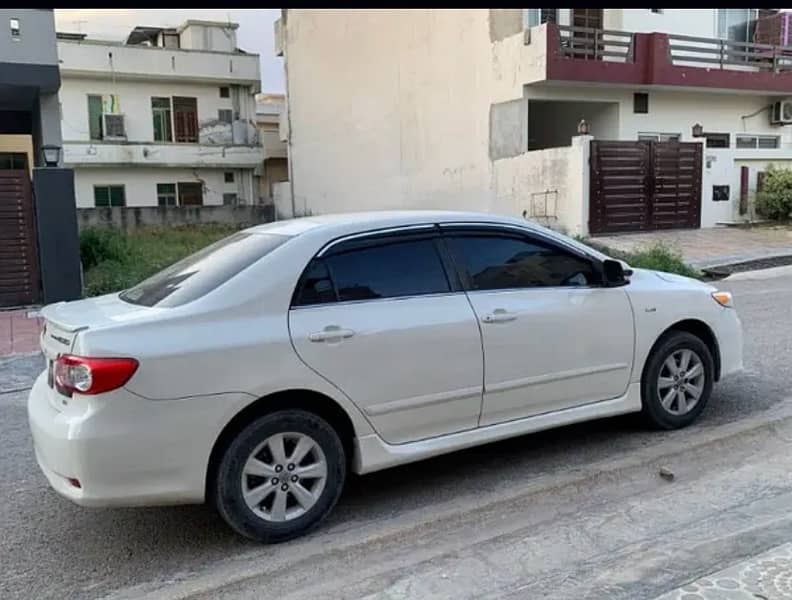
(200, 273)
(380, 269)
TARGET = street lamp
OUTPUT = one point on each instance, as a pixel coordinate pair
(583, 127)
(51, 155)
(698, 130)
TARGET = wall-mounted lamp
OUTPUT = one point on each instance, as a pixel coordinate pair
(51, 155)
(698, 130)
(583, 127)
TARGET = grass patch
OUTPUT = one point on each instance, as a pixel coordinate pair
(656, 256)
(113, 261)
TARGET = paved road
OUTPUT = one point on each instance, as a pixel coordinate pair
(429, 519)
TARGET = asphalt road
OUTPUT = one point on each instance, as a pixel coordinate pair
(50, 548)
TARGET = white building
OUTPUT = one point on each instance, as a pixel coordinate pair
(165, 118)
(479, 109)
(275, 169)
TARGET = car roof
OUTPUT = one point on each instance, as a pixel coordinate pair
(377, 219)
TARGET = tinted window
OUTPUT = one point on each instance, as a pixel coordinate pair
(508, 262)
(396, 269)
(315, 286)
(200, 273)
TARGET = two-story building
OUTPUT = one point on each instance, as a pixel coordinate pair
(166, 117)
(590, 120)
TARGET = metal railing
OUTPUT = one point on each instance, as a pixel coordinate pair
(727, 54)
(595, 44)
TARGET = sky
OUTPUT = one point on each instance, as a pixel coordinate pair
(254, 35)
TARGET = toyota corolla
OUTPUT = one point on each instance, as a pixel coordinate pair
(256, 373)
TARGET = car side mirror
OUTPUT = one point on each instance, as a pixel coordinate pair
(613, 273)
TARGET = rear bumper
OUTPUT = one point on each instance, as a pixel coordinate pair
(125, 450)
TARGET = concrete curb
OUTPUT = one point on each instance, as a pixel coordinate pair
(760, 274)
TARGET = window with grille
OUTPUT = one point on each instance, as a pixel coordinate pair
(161, 111)
(225, 92)
(109, 195)
(13, 160)
(659, 137)
(95, 117)
(641, 103)
(717, 140)
(166, 194)
(763, 142)
(225, 115)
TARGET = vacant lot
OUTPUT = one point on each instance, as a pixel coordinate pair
(113, 260)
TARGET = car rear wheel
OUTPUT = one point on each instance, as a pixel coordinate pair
(281, 476)
(677, 381)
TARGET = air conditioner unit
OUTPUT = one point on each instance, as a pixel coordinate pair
(113, 126)
(781, 112)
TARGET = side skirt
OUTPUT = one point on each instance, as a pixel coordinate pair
(372, 453)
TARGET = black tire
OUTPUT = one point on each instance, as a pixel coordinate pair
(653, 412)
(228, 493)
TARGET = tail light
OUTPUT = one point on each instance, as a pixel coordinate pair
(92, 375)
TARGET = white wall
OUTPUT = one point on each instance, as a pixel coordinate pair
(389, 108)
(722, 167)
(202, 36)
(135, 100)
(92, 58)
(141, 183)
(548, 186)
(698, 22)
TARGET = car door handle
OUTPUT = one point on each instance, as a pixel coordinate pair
(331, 333)
(499, 316)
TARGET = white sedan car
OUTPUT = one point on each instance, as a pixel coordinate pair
(257, 372)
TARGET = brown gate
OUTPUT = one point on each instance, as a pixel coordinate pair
(19, 274)
(644, 185)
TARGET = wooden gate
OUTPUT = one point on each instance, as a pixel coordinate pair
(644, 185)
(19, 272)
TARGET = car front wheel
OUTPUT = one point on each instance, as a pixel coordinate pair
(281, 476)
(677, 381)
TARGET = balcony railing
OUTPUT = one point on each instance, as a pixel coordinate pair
(604, 56)
(595, 44)
(726, 54)
(583, 43)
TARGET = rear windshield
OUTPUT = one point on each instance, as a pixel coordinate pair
(200, 273)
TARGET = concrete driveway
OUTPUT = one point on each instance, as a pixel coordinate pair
(703, 248)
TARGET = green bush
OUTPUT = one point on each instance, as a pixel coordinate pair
(99, 245)
(775, 199)
(656, 256)
(660, 257)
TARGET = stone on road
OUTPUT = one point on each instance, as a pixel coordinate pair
(578, 512)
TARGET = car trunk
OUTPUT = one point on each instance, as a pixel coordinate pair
(66, 322)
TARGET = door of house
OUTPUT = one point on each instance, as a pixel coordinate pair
(644, 185)
(19, 269)
(185, 119)
(190, 193)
